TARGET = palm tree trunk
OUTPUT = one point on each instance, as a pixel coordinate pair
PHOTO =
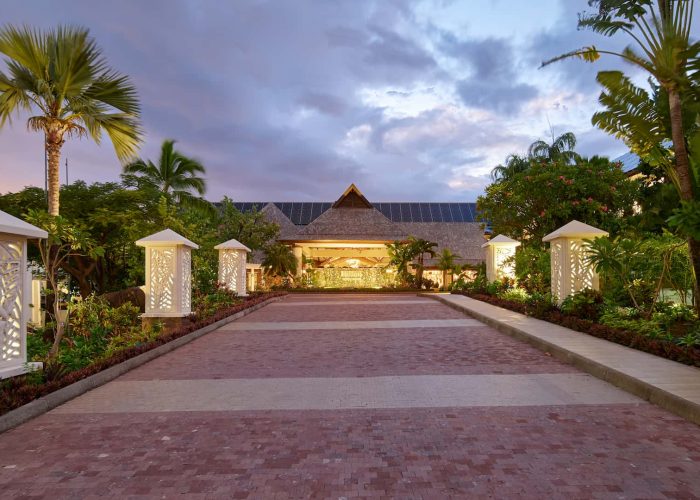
(685, 180)
(53, 150)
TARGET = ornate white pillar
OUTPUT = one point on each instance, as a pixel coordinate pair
(570, 272)
(168, 274)
(14, 296)
(232, 266)
(498, 250)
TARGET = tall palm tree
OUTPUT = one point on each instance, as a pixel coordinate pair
(561, 149)
(661, 45)
(279, 261)
(62, 75)
(176, 176)
(400, 256)
(446, 263)
(420, 248)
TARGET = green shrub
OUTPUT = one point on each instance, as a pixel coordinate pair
(628, 318)
(515, 294)
(205, 305)
(532, 269)
(586, 304)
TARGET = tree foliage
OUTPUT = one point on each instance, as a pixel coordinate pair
(535, 202)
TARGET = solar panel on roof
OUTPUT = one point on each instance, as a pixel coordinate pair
(405, 212)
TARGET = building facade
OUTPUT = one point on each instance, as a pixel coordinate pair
(343, 243)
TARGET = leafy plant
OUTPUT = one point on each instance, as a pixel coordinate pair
(586, 304)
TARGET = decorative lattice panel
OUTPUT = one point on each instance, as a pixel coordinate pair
(10, 300)
(581, 273)
(162, 277)
(186, 280)
(230, 269)
(557, 251)
(504, 268)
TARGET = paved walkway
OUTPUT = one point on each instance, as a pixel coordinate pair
(417, 401)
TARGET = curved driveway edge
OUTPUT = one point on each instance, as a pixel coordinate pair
(666, 383)
(50, 401)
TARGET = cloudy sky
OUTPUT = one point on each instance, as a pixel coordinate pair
(293, 100)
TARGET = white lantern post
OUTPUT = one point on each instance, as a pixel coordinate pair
(498, 251)
(570, 272)
(232, 266)
(168, 276)
(15, 293)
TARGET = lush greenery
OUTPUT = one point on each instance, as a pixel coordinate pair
(544, 195)
(663, 129)
(99, 338)
(410, 254)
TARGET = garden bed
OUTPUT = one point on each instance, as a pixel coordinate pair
(18, 391)
(660, 347)
(354, 290)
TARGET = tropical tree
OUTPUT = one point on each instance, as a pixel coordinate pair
(661, 46)
(447, 264)
(64, 241)
(531, 204)
(561, 149)
(420, 247)
(400, 256)
(279, 261)
(514, 165)
(62, 75)
(176, 176)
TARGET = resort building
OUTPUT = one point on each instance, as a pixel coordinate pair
(343, 243)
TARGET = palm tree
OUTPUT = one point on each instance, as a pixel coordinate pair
(419, 248)
(400, 256)
(561, 149)
(514, 164)
(176, 176)
(279, 261)
(61, 74)
(446, 263)
(660, 33)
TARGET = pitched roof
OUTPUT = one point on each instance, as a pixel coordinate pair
(166, 237)
(352, 198)
(503, 240)
(367, 224)
(575, 229)
(274, 214)
(231, 244)
(12, 225)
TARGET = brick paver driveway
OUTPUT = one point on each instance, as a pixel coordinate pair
(354, 396)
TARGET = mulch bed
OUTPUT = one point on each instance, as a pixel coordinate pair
(657, 347)
(18, 391)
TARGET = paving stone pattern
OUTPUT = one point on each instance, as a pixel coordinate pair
(624, 449)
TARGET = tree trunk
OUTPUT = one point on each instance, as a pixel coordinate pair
(53, 150)
(685, 180)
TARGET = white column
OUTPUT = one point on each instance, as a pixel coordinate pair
(570, 272)
(299, 256)
(232, 266)
(14, 296)
(168, 274)
(497, 252)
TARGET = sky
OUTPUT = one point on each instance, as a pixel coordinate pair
(412, 100)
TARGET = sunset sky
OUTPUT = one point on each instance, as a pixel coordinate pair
(294, 100)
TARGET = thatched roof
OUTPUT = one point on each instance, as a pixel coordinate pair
(274, 214)
(365, 224)
(463, 239)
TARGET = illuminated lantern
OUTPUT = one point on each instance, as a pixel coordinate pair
(232, 265)
(15, 292)
(168, 274)
(570, 272)
(498, 252)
